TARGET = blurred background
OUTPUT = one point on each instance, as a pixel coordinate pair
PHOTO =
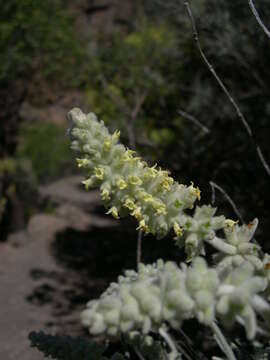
(136, 65)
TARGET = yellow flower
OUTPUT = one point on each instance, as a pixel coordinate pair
(143, 226)
(231, 223)
(137, 213)
(144, 196)
(114, 212)
(134, 180)
(142, 164)
(99, 172)
(125, 157)
(196, 191)
(130, 204)
(130, 152)
(136, 159)
(121, 184)
(107, 145)
(152, 171)
(160, 208)
(177, 229)
(167, 182)
(105, 195)
(83, 162)
(88, 183)
(116, 135)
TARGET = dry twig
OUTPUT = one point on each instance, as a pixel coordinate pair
(224, 88)
(194, 120)
(257, 17)
(216, 186)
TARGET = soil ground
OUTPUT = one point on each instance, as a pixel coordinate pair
(36, 290)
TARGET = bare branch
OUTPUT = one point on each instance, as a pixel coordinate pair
(194, 120)
(257, 17)
(133, 115)
(223, 87)
(131, 135)
(260, 154)
(139, 105)
(213, 186)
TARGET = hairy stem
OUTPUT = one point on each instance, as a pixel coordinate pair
(139, 247)
(174, 353)
(222, 342)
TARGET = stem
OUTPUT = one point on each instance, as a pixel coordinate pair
(195, 121)
(140, 356)
(213, 186)
(174, 353)
(257, 16)
(139, 247)
(222, 342)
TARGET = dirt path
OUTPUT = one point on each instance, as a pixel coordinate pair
(17, 316)
(30, 250)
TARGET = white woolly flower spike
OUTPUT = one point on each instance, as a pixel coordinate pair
(238, 299)
(240, 238)
(145, 300)
(164, 293)
(128, 185)
(201, 228)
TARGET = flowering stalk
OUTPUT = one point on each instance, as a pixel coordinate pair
(162, 293)
(129, 186)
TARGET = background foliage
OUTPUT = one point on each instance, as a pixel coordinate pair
(138, 78)
(47, 148)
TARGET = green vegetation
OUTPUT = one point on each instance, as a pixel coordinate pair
(18, 189)
(132, 82)
(37, 45)
(34, 35)
(47, 147)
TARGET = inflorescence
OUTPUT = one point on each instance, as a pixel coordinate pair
(234, 289)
